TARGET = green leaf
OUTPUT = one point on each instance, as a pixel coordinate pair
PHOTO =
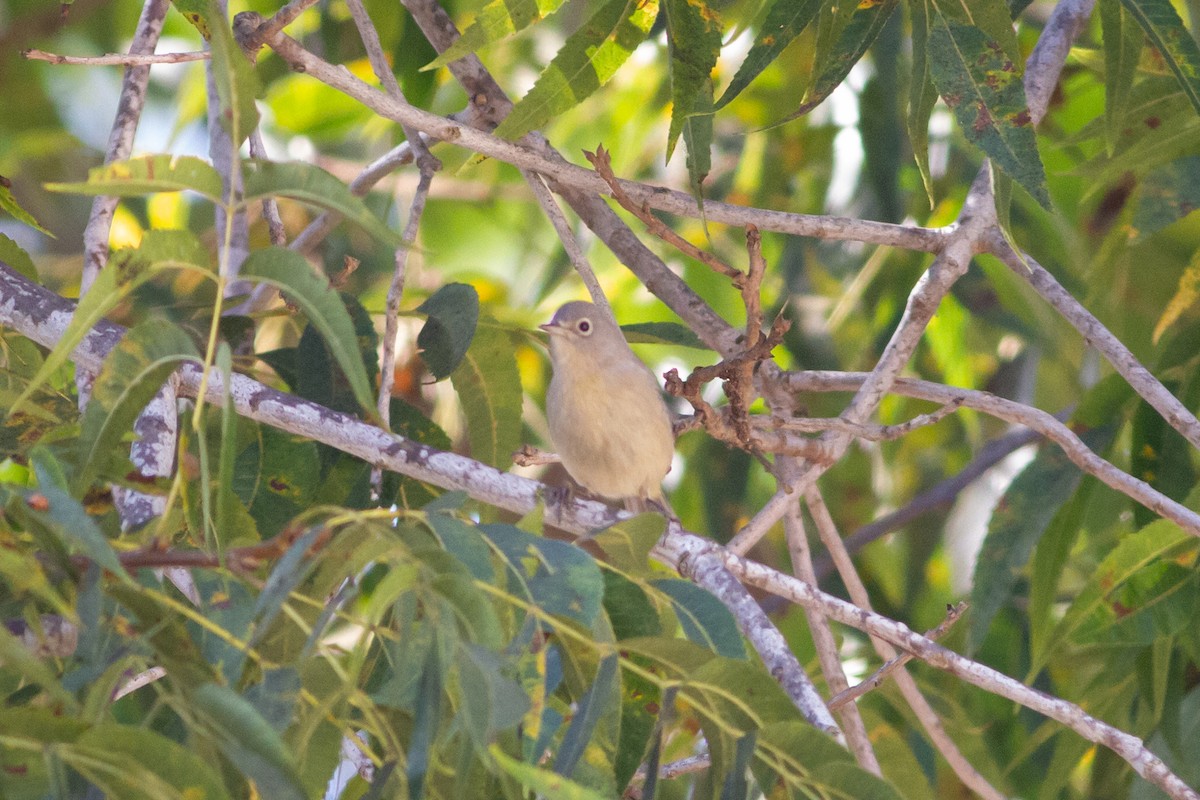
(290, 273)
(784, 22)
(1157, 541)
(1187, 294)
(1175, 44)
(559, 577)
(705, 621)
(15, 657)
(491, 701)
(798, 755)
(1016, 526)
(489, 389)
(859, 34)
(452, 315)
(199, 13)
(321, 379)
(63, 516)
(698, 137)
(590, 56)
(599, 700)
(662, 333)
(237, 85)
(628, 543)
(126, 270)
(693, 45)
(543, 782)
(15, 256)
(129, 762)
(1167, 194)
(131, 375)
(276, 477)
(629, 609)
(495, 21)
(248, 741)
(1122, 47)
(922, 96)
(146, 175)
(982, 84)
(311, 184)
(9, 203)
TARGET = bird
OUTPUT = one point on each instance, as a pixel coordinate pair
(607, 417)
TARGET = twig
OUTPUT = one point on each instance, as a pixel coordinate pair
(1043, 422)
(876, 678)
(270, 206)
(1096, 335)
(602, 163)
(567, 237)
(823, 639)
(117, 59)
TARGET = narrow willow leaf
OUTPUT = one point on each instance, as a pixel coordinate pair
(130, 762)
(61, 516)
(543, 782)
(600, 699)
(588, 59)
(495, 21)
(1175, 44)
(693, 44)
(9, 203)
(1186, 296)
(854, 39)
(276, 477)
(982, 85)
(452, 315)
(1136, 552)
(1122, 47)
(698, 137)
(922, 96)
(786, 20)
(662, 333)
(491, 701)
(290, 273)
(489, 389)
(311, 184)
(249, 742)
(131, 375)
(237, 85)
(1016, 526)
(149, 174)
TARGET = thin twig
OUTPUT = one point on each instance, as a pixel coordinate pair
(876, 678)
(824, 641)
(567, 237)
(117, 59)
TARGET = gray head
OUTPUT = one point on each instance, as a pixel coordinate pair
(579, 322)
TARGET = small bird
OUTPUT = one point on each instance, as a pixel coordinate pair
(606, 412)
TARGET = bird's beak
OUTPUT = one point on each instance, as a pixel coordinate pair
(553, 329)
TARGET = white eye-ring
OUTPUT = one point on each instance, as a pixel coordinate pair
(584, 327)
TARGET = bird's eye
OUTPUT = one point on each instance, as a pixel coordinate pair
(583, 326)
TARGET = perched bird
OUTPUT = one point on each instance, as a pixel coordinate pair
(607, 417)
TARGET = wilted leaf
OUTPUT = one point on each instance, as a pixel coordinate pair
(982, 84)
